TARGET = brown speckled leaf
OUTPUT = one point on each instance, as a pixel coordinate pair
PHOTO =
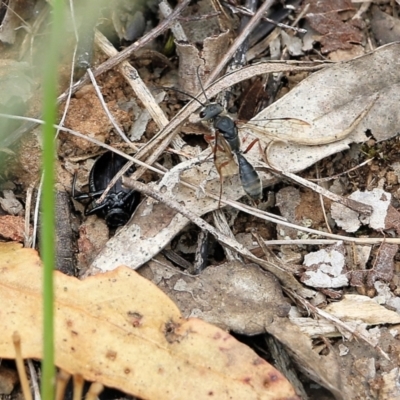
(325, 18)
(119, 329)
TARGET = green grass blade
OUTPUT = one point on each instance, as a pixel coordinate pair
(48, 201)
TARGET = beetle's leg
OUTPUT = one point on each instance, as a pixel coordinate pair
(132, 200)
(73, 186)
(97, 207)
(85, 196)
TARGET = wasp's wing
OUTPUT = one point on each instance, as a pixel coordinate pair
(282, 129)
(223, 158)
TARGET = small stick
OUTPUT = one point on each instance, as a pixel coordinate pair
(20, 366)
(107, 111)
(78, 386)
(321, 201)
(95, 389)
(246, 11)
(34, 380)
(63, 378)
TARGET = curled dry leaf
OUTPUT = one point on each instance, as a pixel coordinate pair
(120, 330)
(335, 106)
(383, 269)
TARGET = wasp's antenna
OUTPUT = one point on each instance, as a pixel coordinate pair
(201, 84)
(182, 92)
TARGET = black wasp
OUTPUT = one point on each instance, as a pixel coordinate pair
(225, 126)
(120, 202)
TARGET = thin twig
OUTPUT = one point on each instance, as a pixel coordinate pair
(336, 176)
(90, 139)
(28, 204)
(246, 11)
(239, 40)
(321, 202)
(107, 111)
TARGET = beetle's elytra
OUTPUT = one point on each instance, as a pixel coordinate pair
(120, 202)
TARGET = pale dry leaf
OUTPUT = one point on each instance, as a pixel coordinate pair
(351, 221)
(120, 330)
(326, 268)
(354, 307)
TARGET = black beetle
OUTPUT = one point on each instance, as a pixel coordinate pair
(120, 202)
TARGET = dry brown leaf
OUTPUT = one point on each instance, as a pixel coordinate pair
(119, 329)
(325, 17)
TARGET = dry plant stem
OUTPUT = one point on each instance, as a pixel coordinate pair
(78, 387)
(133, 78)
(94, 390)
(286, 279)
(107, 65)
(107, 111)
(20, 367)
(239, 40)
(222, 225)
(246, 11)
(34, 381)
(63, 378)
(92, 140)
(321, 202)
(336, 321)
(331, 178)
(28, 203)
(300, 242)
(352, 204)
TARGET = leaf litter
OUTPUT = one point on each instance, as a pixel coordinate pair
(346, 107)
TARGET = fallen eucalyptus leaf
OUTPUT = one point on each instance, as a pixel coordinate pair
(120, 330)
